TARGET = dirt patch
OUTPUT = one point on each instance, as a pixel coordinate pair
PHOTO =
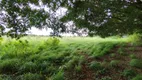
(108, 72)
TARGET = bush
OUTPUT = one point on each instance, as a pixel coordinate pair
(95, 65)
(71, 63)
(112, 55)
(53, 41)
(59, 76)
(129, 73)
(133, 56)
(136, 63)
(114, 63)
(106, 78)
(102, 48)
(78, 68)
(11, 65)
(138, 77)
(29, 76)
(1, 39)
(6, 77)
(28, 67)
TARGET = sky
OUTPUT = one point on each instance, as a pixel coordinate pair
(60, 12)
(36, 31)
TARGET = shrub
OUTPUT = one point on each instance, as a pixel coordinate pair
(102, 48)
(28, 67)
(5, 77)
(133, 56)
(71, 63)
(106, 78)
(10, 65)
(112, 55)
(114, 63)
(29, 76)
(121, 51)
(102, 71)
(1, 39)
(134, 39)
(138, 77)
(59, 76)
(136, 63)
(53, 41)
(95, 65)
(129, 73)
(78, 68)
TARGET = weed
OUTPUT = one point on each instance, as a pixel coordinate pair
(59, 76)
(136, 63)
(10, 65)
(78, 68)
(134, 39)
(133, 56)
(121, 51)
(129, 73)
(52, 41)
(114, 63)
(35, 58)
(29, 76)
(102, 71)
(71, 63)
(106, 78)
(95, 65)
(132, 48)
(1, 39)
(138, 77)
(112, 55)
(102, 48)
(28, 67)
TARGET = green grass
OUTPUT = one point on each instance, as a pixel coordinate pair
(138, 77)
(44, 58)
(136, 63)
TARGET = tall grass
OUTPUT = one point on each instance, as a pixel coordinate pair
(39, 58)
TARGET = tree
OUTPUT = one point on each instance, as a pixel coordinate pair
(106, 17)
(100, 17)
(18, 16)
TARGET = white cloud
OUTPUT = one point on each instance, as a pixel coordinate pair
(37, 31)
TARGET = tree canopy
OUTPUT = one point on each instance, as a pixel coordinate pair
(99, 17)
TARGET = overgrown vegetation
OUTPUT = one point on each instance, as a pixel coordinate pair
(43, 58)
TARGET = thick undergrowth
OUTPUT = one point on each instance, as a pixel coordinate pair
(76, 58)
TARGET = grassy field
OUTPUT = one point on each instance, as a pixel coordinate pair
(71, 58)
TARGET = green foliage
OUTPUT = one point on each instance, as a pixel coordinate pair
(5, 77)
(1, 39)
(133, 56)
(78, 68)
(29, 76)
(79, 11)
(112, 55)
(102, 72)
(27, 59)
(28, 66)
(106, 78)
(134, 39)
(59, 76)
(121, 51)
(95, 65)
(71, 63)
(138, 77)
(10, 65)
(114, 63)
(136, 63)
(101, 49)
(52, 41)
(129, 73)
